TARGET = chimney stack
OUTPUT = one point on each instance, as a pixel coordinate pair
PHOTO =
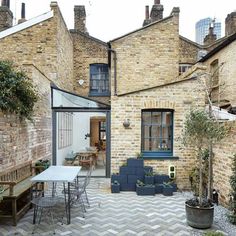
(80, 19)
(147, 19)
(157, 11)
(147, 13)
(6, 16)
(22, 13)
(230, 23)
(22, 10)
(6, 3)
(211, 37)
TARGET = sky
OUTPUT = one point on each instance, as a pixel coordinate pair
(109, 19)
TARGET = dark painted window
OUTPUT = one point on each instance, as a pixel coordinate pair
(157, 132)
(99, 80)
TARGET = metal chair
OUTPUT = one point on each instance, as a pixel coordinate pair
(43, 206)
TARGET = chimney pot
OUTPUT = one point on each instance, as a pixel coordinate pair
(3, 3)
(147, 13)
(156, 2)
(22, 10)
(6, 3)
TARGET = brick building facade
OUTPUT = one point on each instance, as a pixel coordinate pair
(148, 72)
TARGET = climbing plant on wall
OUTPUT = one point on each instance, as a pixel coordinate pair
(17, 93)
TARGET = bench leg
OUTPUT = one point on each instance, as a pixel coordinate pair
(14, 212)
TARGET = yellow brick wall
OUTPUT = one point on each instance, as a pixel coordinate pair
(227, 72)
(45, 52)
(126, 143)
(224, 151)
(87, 51)
(24, 141)
(144, 56)
(188, 51)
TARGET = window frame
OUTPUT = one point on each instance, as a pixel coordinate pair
(97, 93)
(157, 154)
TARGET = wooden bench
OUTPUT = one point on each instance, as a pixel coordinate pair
(15, 201)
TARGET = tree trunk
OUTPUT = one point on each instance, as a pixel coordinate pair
(210, 172)
(200, 176)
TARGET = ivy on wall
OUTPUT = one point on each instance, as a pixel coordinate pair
(17, 93)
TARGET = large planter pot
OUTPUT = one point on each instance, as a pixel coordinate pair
(126, 170)
(148, 179)
(127, 187)
(200, 218)
(167, 190)
(158, 188)
(119, 178)
(145, 190)
(160, 179)
(115, 187)
(135, 162)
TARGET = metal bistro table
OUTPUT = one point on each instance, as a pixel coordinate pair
(56, 174)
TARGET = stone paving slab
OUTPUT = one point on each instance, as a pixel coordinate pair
(123, 214)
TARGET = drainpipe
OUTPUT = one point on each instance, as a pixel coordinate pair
(115, 66)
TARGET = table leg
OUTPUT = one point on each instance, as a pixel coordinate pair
(69, 200)
(67, 203)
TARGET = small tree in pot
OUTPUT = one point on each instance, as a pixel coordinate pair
(232, 214)
(199, 130)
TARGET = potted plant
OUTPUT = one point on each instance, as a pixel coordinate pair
(199, 132)
(167, 189)
(158, 188)
(143, 189)
(161, 178)
(41, 165)
(149, 177)
(232, 214)
(115, 187)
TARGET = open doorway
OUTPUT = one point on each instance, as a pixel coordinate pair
(81, 134)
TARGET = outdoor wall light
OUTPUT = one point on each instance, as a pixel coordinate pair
(126, 123)
(87, 135)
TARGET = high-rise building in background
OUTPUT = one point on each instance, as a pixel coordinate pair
(202, 29)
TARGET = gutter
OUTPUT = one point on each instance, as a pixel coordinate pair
(115, 67)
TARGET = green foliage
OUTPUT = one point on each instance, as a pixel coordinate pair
(232, 203)
(200, 130)
(140, 183)
(167, 184)
(17, 93)
(232, 179)
(194, 175)
(149, 173)
(213, 233)
(139, 155)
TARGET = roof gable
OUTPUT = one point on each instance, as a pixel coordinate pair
(26, 24)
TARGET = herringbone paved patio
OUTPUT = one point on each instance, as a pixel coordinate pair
(117, 214)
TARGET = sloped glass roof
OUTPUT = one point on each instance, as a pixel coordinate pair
(64, 99)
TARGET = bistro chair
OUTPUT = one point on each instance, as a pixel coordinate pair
(44, 204)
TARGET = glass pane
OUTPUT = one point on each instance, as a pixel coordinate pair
(146, 117)
(147, 129)
(155, 145)
(166, 118)
(156, 131)
(166, 145)
(147, 144)
(156, 118)
(64, 99)
(165, 132)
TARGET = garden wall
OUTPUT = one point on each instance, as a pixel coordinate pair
(224, 151)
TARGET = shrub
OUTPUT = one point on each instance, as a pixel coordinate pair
(17, 93)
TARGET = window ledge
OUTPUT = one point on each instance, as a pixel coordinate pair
(160, 157)
(99, 94)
